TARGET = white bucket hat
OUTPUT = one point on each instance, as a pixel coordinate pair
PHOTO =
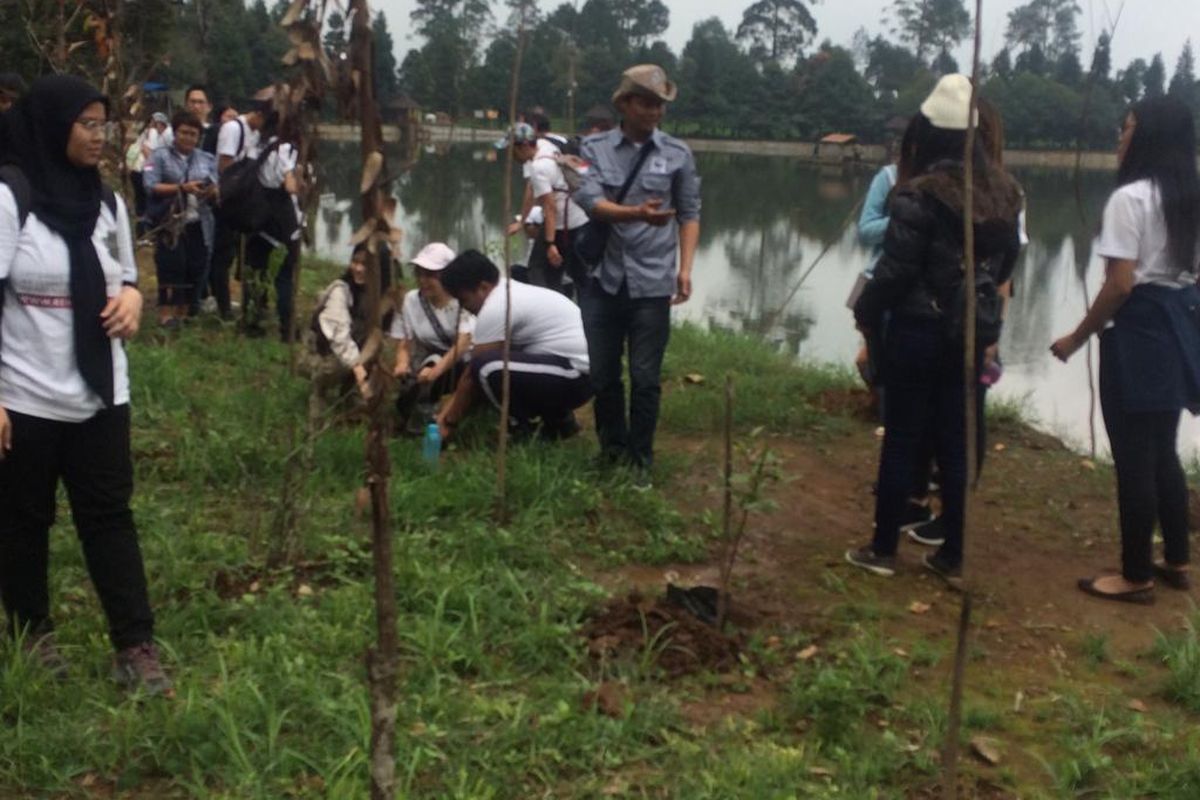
(947, 105)
(433, 257)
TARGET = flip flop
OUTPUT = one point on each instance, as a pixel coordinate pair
(1144, 597)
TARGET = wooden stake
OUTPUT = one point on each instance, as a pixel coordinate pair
(971, 386)
(506, 378)
(727, 508)
(382, 660)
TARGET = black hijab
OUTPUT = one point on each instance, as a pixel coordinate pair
(66, 199)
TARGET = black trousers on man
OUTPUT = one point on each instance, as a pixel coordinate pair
(615, 323)
(541, 386)
(543, 273)
(226, 242)
(92, 459)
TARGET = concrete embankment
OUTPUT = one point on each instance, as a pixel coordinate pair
(804, 151)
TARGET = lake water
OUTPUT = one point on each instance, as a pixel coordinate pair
(765, 221)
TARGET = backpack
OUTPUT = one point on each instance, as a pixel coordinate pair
(949, 291)
(242, 204)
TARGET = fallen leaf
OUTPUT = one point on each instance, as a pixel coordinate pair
(255, 586)
(1138, 706)
(986, 749)
(608, 698)
(1000, 447)
(1088, 464)
(807, 653)
(772, 642)
(603, 645)
(1018, 701)
(917, 607)
(693, 378)
(901, 652)
(820, 772)
(304, 590)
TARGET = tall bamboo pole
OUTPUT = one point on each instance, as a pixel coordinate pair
(382, 659)
(971, 386)
(506, 378)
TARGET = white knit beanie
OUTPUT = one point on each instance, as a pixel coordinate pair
(948, 103)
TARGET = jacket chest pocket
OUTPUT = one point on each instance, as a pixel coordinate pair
(655, 183)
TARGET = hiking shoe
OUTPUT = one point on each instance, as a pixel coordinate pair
(952, 575)
(865, 558)
(930, 534)
(138, 667)
(915, 515)
(44, 649)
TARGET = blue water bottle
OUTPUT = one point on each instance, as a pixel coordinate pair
(432, 446)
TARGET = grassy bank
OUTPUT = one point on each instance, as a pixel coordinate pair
(269, 665)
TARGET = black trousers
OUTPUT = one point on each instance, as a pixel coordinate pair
(254, 283)
(225, 246)
(93, 460)
(616, 324)
(1151, 486)
(540, 386)
(180, 268)
(542, 273)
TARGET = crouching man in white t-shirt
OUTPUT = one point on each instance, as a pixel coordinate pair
(548, 356)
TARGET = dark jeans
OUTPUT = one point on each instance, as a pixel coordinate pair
(540, 386)
(541, 273)
(613, 322)
(224, 251)
(180, 268)
(254, 283)
(93, 460)
(923, 375)
(1151, 485)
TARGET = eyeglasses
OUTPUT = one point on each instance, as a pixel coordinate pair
(92, 125)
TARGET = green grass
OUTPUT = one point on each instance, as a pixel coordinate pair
(269, 664)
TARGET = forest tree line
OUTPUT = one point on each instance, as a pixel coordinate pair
(771, 77)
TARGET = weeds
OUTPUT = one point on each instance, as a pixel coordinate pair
(1180, 653)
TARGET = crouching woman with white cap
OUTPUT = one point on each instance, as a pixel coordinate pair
(433, 339)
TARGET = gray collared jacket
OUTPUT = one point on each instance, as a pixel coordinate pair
(642, 256)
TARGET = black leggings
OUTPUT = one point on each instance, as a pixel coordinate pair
(92, 459)
(1151, 485)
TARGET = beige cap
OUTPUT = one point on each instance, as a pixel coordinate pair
(648, 79)
(947, 105)
(433, 257)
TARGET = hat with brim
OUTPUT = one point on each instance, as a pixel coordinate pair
(433, 257)
(521, 133)
(948, 105)
(646, 79)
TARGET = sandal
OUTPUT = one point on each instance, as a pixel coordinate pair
(1143, 597)
(1175, 578)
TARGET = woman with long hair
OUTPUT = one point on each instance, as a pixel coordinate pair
(1147, 314)
(918, 286)
(70, 299)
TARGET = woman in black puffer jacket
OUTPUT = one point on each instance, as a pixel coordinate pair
(916, 296)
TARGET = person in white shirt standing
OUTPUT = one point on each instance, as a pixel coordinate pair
(68, 282)
(237, 139)
(548, 354)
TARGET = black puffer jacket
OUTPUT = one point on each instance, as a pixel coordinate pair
(923, 247)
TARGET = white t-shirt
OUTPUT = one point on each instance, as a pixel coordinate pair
(544, 148)
(543, 321)
(546, 176)
(39, 374)
(230, 137)
(412, 323)
(1135, 230)
(278, 163)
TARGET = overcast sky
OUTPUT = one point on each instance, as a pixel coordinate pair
(1145, 27)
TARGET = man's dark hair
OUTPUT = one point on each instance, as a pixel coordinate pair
(12, 84)
(197, 87)
(468, 271)
(183, 118)
(539, 121)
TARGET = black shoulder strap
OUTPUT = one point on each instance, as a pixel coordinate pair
(637, 167)
(110, 199)
(241, 136)
(435, 322)
(18, 184)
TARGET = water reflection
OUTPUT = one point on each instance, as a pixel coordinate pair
(765, 221)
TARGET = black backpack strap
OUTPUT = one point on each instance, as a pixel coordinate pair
(637, 167)
(18, 184)
(110, 199)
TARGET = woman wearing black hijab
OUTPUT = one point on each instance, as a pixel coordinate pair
(68, 283)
